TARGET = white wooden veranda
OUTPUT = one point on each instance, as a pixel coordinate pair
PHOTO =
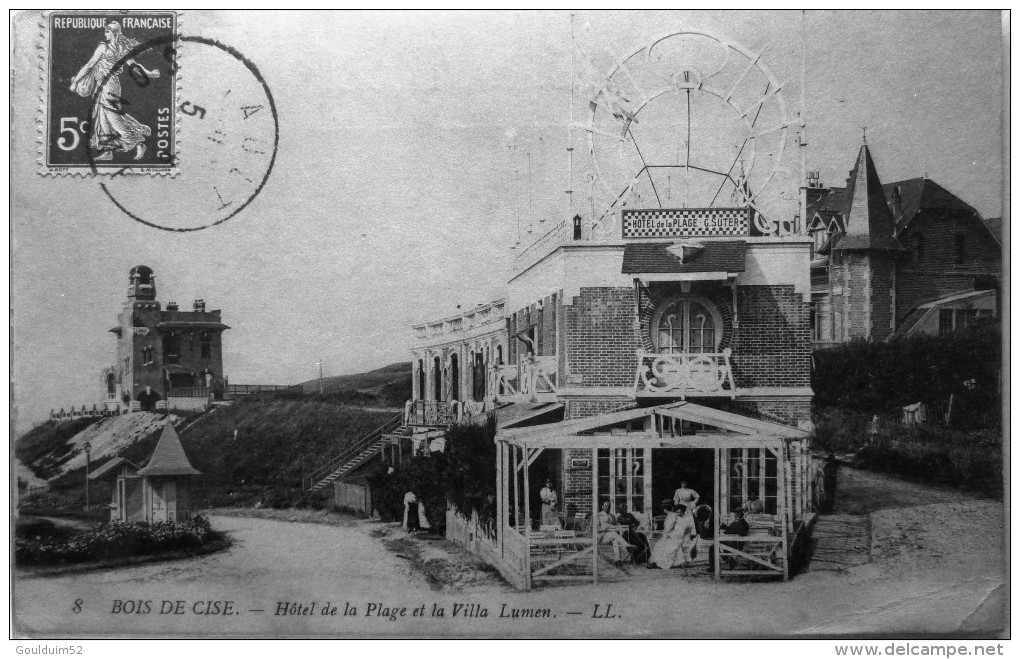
(528, 556)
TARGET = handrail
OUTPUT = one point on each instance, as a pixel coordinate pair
(351, 451)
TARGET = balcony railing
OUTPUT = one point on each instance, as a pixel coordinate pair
(189, 392)
(437, 413)
(684, 374)
(533, 376)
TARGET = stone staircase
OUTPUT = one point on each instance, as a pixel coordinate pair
(355, 455)
(840, 542)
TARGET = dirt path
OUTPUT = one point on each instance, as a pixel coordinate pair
(936, 567)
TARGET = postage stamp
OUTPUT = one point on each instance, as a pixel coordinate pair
(108, 102)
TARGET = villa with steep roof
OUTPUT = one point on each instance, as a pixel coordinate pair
(898, 259)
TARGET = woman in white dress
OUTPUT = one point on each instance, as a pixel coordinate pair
(679, 537)
(549, 501)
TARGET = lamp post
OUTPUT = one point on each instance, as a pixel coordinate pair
(88, 468)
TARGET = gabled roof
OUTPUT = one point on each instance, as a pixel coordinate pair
(917, 194)
(869, 223)
(169, 459)
(921, 194)
(719, 256)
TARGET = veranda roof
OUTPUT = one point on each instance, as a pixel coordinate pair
(732, 430)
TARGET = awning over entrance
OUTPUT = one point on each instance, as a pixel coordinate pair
(688, 256)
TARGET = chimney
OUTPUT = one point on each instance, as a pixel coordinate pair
(199, 306)
(577, 227)
(813, 178)
(172, 306)
(897, 202)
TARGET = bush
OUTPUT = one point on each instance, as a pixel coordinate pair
(940, 455)
(464, 475)
(113, 540)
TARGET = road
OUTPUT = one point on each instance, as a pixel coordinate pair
(925, 579)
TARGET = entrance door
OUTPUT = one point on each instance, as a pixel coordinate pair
(170, 497)
(158, 502)
(673, 466)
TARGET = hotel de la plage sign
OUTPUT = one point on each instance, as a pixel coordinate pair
(685, 222)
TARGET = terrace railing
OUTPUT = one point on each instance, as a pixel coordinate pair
(234, 390)
(684, 374)
(189, 392)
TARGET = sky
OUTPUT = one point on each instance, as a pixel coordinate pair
(395, 197)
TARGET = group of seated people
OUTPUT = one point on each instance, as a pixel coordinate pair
(685, 522)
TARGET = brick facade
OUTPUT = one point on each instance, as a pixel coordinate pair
(930, 269)
(772, 345)
(602, 338)
(882, 294)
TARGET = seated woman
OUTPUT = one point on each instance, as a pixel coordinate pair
(642, 550)
(679, 537)
(607, 536)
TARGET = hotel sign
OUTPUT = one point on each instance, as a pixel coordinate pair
(686, 222)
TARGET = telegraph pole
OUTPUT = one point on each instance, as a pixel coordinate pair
(320, 376)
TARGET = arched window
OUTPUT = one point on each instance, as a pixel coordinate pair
(437, 379)
(686, 324)
(454, 378)
(421, 379)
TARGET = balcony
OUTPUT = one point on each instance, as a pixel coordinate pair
(431, 413)
(534, 379)
(684, 374)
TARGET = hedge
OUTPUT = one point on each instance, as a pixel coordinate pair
(881, 378)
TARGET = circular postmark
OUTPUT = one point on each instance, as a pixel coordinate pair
(221, 135)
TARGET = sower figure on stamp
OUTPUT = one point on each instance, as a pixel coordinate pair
(112, 127)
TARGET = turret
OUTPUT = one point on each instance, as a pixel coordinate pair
(142, 283)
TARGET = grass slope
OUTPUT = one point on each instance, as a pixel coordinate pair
(44, 448)
(389, 385)
(277, 441)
